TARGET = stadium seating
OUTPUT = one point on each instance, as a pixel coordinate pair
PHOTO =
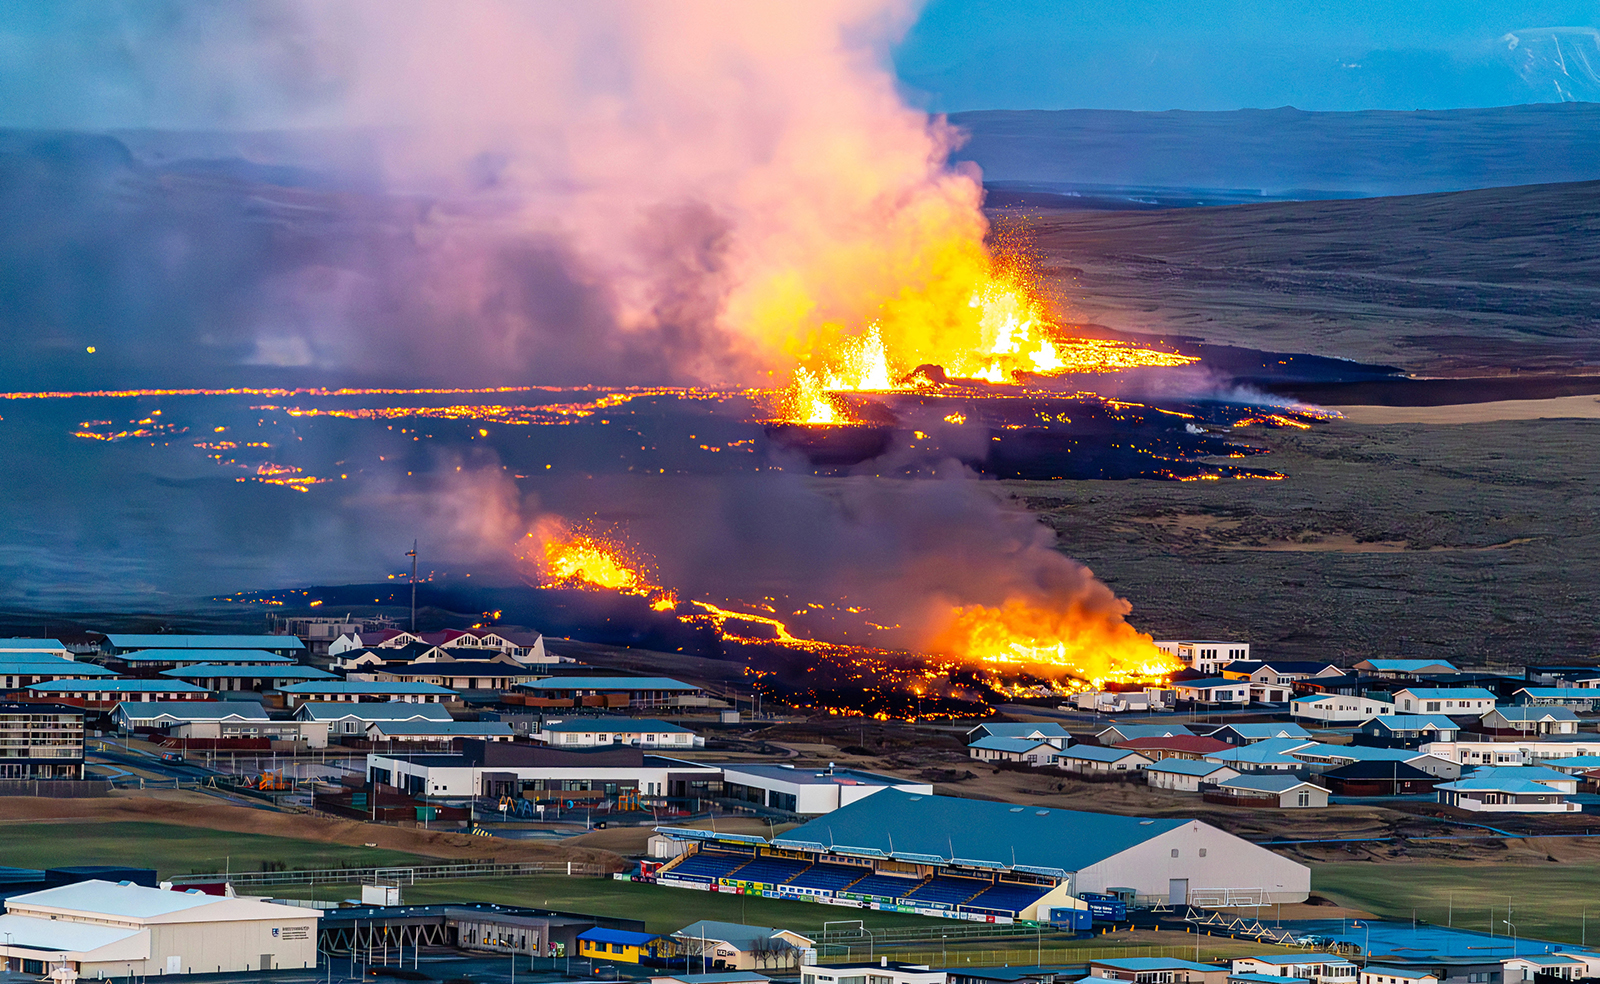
(886, 886)
(951, 891)
(774, 871)
(709, 864)
(1008, 898)
(826, 877)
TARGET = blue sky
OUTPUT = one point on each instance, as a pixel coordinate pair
(1233, 54)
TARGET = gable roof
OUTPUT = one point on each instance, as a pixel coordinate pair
(388, 710)
(32, 645)
(205, 671)
(39, 664)
(1016, 746)
(1413, 722)
(607, 683)
(996, 834)
(193, 710)
(1379, 769)
(1532, 773)
(1447, 693)
(1130, 732)
(1404, 665)
(614, 725)
(118, 686)
(207, 655)
(453, 729)
(1533, 712)
(1503, 785)
(364, 687)
(124, 640)
(1188, 767)
(737, 934)
(1210, 683)
(1562, 693)
(1266, 784)
(600, 934)
(1095, 753)
(1265, 730)
(1024, 730)
(1182, 743)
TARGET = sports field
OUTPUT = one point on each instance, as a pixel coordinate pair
(176, 850)
(1551, 901)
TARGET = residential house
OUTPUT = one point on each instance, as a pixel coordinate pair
(609, 731)
(1405, 730)
(1575, 765)
(107, 694)
(1191, 747)
(1454, 701)
(1157, 970)
(1249, 734)
(625, 946)
(232, 677)
(1205, 655)
(1055, 734)
(1338, 708)
(639, 692)
(1128, 732)
(1379, 974)
(1271, 755)
(1522, 751)
(353, 691)
(437, 731)
(1528, 720)
(886, 972)
(732, 946)
(1186, 775)
(1273, 681)
(1095, 759)
(1404, 669)
(1581, 699)
(1559, 676)
(1319, 968)
(1030, 751)
(1504, 795)
(1319, 757)
(1567, 965)
(1268, 791)
(145, 716)
(350, 720)
(1554, 778)
(1391, 778)
(501, 673)
(1213, 691)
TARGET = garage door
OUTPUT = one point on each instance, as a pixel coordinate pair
(1177, 891)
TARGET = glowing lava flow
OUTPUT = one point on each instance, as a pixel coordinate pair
(1054, 642)
(992, 330)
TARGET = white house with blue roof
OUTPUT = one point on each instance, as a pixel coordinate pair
(1581, 699)
(1570, 965)
(1529, 720)
(1271, 755)
(1214, 690)
(1504, 794)
(118, 643)
(1186, 775)
(1318, 968)
(1458, 701)
(1052, 733)
(1029, 751)
(1338, 708)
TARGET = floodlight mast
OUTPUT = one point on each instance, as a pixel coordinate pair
(413, 555)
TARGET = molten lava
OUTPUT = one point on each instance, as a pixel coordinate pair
(980, 320)
(1066, 645)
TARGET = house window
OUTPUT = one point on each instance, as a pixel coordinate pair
(1174, 852)
(1305, 799)
(1202, 852)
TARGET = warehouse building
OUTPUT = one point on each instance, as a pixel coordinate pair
(613, 730)
(351, 720)
(984, 861)
(147, 661)
(20, 670)
(114, 929)
(106, 694)
(615, 692)
(352, 691)
(807, 791)
(121, 643)
(538, 773)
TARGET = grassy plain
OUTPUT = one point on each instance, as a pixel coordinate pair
(176, 850)
(1552, 902)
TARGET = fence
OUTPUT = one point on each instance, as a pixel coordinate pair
(1045, 955)
(395, 876)
(918, 934)
(55, 788)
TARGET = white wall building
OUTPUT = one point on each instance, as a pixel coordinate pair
(600, 732)
(1318, 968)
(101, 929)
(1205, 655)
(808, 791)
(352, 720)
(1475, 701)
(1517, 751)
(1338, 709)
(1186, 775)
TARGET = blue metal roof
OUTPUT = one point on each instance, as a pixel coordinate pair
(1155, 963)
(1507, 785)
(607, 683)
(1562, 693)
(1266, 784)
(600, 934)
(1095, 753)
(209, 655)
(41, 666)
(212, 670)
(32, 645)
(1133, 732)
(364, 687)
(1186, 767)
(1536, 712)
(1414, 722)
(614, 725)
(1265, 730)
(1015, 745)
(1050, 730)
(122, 640)
(1447, 693)
(998, 834)
(1406, 665)
(117, 687)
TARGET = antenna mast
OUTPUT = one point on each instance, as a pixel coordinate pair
(413, 555)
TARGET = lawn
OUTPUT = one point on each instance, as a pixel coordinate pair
(176, 850)
(1550, 901)
(662, 909)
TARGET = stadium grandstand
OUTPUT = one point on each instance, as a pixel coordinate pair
(979, 860)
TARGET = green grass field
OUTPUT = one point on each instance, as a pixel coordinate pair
(1548, 901)
(175, 850)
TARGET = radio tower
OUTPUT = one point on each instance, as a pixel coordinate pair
(413, 555)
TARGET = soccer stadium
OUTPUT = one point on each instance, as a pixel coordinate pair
(985, 861)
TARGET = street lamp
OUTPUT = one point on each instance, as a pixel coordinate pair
(1513, 926)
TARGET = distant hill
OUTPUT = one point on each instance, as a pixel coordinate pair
(1280, 153)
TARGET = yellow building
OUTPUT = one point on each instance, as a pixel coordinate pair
(622, 946)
